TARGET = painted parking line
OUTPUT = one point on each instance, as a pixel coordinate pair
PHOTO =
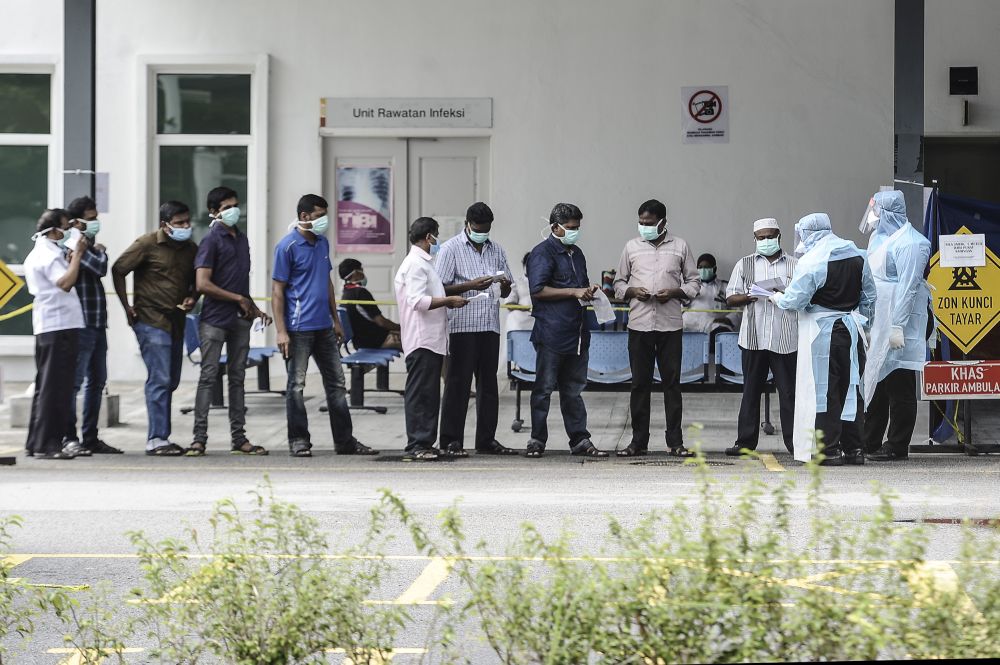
(79, 657)
(429, 579)
(12, 450)
(771, 463)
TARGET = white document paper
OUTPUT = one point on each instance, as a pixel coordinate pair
(774, 284)
(965, 250)
(758, 292)
(479, 296)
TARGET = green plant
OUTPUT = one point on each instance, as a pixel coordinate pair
(92, 626)
(16, 610)
(265, 590)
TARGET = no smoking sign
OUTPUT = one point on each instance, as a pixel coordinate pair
(705, 114)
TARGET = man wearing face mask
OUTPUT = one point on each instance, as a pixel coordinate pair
(371, 329)
(56, 320)
(162, 263)
(305, 315)
(898, 254)
(768, 336)
(560, 288)
(423, 317)
(92, 360)
(655, 275)
(834, 293)
(698, 316)
(469, 265)
(222, 276)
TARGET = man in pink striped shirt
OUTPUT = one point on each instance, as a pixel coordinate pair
(424, 331)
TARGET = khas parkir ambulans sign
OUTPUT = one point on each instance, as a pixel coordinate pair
(962, 379)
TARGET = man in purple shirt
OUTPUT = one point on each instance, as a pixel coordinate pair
(222, 275)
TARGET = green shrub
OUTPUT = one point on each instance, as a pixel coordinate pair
(264, 591)
(16, 607)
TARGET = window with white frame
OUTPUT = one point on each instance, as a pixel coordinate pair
(203, 139)
(25, 173)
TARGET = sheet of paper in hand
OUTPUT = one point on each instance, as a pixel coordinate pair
(602, 307)
(775, 284)
(759, 292)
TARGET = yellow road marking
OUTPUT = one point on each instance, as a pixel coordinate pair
(770, 462)
(380, 659)
(76, 656)
(15, 560)
(429, 579)
(11, 451)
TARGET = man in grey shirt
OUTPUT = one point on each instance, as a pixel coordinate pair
(655, 274)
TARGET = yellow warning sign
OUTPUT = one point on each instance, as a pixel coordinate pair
(10, 284)
(966, 299)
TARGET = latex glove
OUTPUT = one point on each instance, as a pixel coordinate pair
(774, 298)
(896, 339)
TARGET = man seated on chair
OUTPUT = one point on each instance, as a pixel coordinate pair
(371, 329)
(305, 314)
(768, 336)
(711, 297)
(222, 276)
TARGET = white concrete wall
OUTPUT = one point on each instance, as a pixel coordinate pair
(961, 33)
(586, 100)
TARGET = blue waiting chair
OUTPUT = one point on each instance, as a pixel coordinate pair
(259, 357)
(609, 362)
(694, 359)
(729, 364)
(361, 361)
(521, 359)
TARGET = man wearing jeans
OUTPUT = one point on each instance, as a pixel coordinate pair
(92, 361)
(424, 326)
(557, 278)
(305, 314)
(222, 276)
(163, 282)
(655, 274)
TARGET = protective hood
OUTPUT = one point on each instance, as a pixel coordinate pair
(821, 245)
(812, 228)
(892, 219)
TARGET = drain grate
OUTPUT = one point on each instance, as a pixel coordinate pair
(679, 462)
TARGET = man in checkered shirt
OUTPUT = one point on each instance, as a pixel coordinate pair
(92, 361)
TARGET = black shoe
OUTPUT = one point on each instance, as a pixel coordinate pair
(495, 448)
(855, 458)
(357, 449)
(98, 447)
(737, 450)
(887, 454)
(535, 449)
(833, 459)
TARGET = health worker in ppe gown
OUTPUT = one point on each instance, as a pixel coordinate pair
(834, 293)
(898, 255)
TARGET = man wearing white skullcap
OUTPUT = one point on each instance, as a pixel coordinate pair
(768, 336)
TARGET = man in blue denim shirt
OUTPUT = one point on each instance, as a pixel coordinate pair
(305, 314)
(557, 277)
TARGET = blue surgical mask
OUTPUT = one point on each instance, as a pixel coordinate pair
(706, 274)
(93, 227)
(62, 241)
(768, 246)
(435, 247)
(363, 281)
(477, 237)
(570, 236)
(230, 216)
(320, 225)
(180, 234)
(650, 233)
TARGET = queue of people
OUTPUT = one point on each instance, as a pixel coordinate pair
(806, 321)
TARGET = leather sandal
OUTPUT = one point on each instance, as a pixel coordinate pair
(632, 450)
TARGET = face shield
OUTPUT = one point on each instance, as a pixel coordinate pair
(870, 219)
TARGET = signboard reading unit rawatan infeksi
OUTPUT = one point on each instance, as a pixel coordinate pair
(966, 299)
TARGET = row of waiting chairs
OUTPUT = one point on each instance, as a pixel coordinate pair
(608, 366)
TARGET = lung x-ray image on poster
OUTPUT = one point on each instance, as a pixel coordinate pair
(364, 209)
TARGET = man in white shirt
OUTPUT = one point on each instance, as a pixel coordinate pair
(424, 331)
(768, 336)
(57, 318)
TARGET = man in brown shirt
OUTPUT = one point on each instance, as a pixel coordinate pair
(656, 272)
(163, 282)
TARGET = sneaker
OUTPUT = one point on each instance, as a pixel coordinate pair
(98, 447)
(833, 459)
(420, 455)
(74, 448)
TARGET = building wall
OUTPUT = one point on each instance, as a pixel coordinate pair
(961, 33)
(587, 105)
